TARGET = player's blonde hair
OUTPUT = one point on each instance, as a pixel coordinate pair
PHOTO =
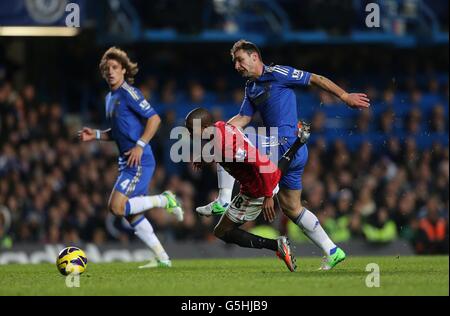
(121, 57)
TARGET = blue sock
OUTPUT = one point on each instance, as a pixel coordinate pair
(127, 209)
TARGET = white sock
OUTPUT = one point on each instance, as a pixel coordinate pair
(144, 230)
(225, 184)
(310, 225)
(140, 204)
(225, 196)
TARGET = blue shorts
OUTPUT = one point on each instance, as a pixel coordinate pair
(293, 178)
(134, 181)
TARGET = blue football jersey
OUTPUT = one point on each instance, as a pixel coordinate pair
(273, 96)
(127, 112)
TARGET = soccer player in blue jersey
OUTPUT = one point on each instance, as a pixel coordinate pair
(269, 90)
(133, 123)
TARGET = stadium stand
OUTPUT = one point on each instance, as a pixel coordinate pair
(377, 175)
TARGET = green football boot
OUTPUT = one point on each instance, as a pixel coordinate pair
(173, 206)
(213, 208)
(157, 264)
(336, 256)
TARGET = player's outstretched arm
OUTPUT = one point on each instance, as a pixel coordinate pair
(88, 134)
(354, 100)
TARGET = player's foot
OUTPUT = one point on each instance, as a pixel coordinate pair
(173, 206)
(157, 264)
(213, 208)
(285, 254)
(329, 262)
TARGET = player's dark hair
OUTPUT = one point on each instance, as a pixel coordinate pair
(246, 46)
(121, 57)
(198, 114)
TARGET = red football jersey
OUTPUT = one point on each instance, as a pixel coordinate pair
(255, 172)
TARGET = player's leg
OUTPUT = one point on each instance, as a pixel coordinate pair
(134, 182)
(144, 230)
(225, 184)
(140, 204)
(290, 200)
(244, 209)
(305, 219)
(116, 202)
(229, 232)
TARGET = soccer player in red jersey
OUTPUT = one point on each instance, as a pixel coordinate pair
(258, 177)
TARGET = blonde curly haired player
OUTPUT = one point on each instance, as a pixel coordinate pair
(133, 123)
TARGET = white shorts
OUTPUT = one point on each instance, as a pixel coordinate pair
(245, 209)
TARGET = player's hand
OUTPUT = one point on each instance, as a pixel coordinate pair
(86, 134)
(356, 100)
(268, 209)
(134, 156)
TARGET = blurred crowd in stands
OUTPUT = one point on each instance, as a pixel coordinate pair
(336, 17)
(376, 175)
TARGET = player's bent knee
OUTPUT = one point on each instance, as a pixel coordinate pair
(290, 205)
(292, 210)
(118, 209)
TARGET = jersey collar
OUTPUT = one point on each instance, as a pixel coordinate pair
(266, 69)
(120, 87)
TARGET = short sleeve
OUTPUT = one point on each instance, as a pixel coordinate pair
(290, 76)
(140, 105)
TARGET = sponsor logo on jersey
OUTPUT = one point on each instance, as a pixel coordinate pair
(144, 105)
(297, 74)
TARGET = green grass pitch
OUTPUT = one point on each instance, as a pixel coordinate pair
(230, 277)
